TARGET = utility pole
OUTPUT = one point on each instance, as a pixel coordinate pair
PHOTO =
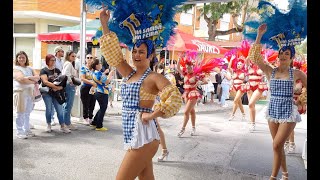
(83, 43)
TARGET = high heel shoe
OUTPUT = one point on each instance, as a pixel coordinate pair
(286, 146)
(283, 176)
(291, 147)
(164, 155)
(181, 132)
(273, 177)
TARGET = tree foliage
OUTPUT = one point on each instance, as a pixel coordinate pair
(213, 12)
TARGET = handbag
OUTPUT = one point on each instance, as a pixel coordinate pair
(36, 93)
(59, 95)
(44, 89)
(76, 81)
(199, 88)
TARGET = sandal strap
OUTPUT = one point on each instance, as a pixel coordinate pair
(273, 177)
(283, 176)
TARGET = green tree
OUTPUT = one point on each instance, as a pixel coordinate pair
(302, 48)
(213, 12)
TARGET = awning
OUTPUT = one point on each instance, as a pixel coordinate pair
(62, 36)
(67, 36)
(186, 42)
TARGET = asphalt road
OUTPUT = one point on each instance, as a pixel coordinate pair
(221, 150)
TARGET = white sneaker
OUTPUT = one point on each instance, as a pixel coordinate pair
(86, 121)
(31, 126)
(231, 118)
(252, 127)
(22, 136)
(31, 134)
(181, 132)
(90, 121)
(72, 127)
(193, 131)
(49, 128)
(65, 130)
(53, 123)
(243, 117)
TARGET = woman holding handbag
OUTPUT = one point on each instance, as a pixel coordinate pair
(70, 72)
(47, 75)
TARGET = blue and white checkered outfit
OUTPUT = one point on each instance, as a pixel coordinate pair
(281, 107)
(135, 133)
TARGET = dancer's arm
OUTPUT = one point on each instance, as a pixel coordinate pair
(230, 63)
(170, 98)
(179, 67)
(255, 52)
(303, 77)
(110, 46)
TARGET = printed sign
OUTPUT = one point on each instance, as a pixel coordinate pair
(148, 32)
(204, 47)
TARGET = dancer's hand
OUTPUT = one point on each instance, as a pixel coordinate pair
(262, 29)
(104, 19)
(104, 15)
(146, 117)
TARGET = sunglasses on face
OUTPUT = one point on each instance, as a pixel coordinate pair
(52, 60)
(89, 57)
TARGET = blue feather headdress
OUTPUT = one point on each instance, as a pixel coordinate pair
(136, 21)
(285, 30)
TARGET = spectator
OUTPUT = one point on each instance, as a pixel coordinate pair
(212, 78)
(47, 75)
(88, 99)
(59, 54)
(101, 94)
(154, 62)
(105, 66)
(225, 84)
(24, 80)
(70, 88)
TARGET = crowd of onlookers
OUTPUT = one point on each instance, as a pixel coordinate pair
(56, 85)
(62, 73)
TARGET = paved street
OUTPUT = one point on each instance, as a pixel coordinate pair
(221, 150)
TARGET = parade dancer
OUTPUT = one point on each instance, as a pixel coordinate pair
(300, 100)
(284, 31)
(194, 74)
(132, 22)
(237, 66)
(256, 85)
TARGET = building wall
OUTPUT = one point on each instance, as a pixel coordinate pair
(25, 5)
(182, 27)
(63, 7)
(38, 51)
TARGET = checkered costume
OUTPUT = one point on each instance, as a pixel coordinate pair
(135, 133)
(281, 108)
